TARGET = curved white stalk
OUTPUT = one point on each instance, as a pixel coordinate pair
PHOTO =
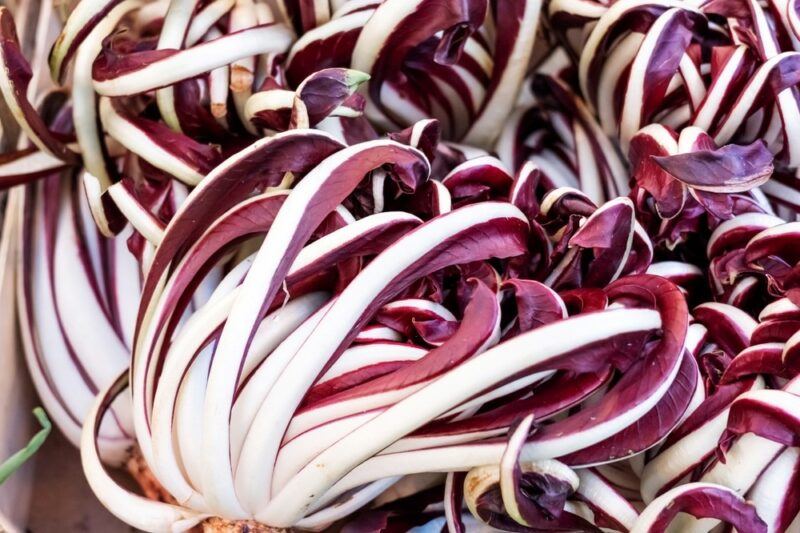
(139, 142)
(140, 217)
(672, 463)
(601, 494)
(173, 32)
(271, 424)
(196, 60)
(131, 508)
(486, 128)
(272, 331)
(84, 102)
(351, 453)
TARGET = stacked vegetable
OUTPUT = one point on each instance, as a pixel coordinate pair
(427, 263)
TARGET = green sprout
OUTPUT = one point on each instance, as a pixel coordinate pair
(13, 463)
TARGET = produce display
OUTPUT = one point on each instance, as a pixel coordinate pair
(413, 265)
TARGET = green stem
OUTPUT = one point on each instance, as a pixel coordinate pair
(13, 463)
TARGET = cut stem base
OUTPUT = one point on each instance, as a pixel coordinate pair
(149, 485)
(219, 525)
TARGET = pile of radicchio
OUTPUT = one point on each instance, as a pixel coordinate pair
(414, 265)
